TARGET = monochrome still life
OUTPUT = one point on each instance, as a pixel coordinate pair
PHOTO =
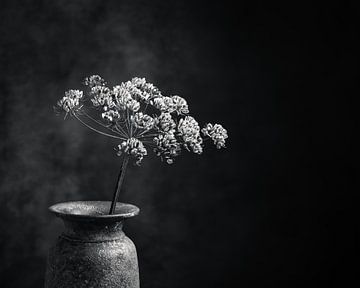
(94, 251)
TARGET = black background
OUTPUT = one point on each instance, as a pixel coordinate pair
(274, 209)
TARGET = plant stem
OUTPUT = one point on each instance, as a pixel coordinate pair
(119, 183)
(95, 130)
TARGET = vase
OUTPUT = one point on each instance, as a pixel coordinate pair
(93, 251)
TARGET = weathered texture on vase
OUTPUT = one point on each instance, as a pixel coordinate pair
(93, 251)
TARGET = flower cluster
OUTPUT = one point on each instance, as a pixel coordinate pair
(94, 80)
(141, 90)
(101, 96)
(138, 115)
(143, 121)
(71, 100)
(217, 133)
(167, 147)
(133, 147)
(110, 115)
(171, 104)
(124, 100)
(165, 122)
(189, 130)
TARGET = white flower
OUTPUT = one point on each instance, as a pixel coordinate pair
(189, 130)
(110, 115)
(138, 82)
(180, 104)
(135, 92)
(149, 90)
(124, 100)
(71, 100)
(217, 133)
(167, 147)
(94, 80)
(122, 113)
(165, 122)
(164, 104)
(143, 121)
(133, 147)
(140, 90)
(102, 96)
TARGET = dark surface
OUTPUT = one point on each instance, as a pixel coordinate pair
(274, 209)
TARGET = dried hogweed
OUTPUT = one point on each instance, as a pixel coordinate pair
(136, 114)
(139, 116)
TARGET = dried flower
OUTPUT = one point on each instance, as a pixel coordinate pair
(189, 130)
(167, 147)
(71, 100)
(164, 104)
(133, 147)
(94, 80)
(102, 96)
(110, 115)
(150, 91)
(140, 90)
(143, 121)
(123, 116)
(180, 104)
(217, 133)
(124, 100)
(165, 122)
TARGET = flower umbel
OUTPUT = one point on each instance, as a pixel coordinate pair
(71, 100)
(94, 80)
(138, 115)
(189, 130)
(133, 147)
(167, 147)
(217, 133)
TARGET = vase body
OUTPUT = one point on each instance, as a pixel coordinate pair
(93, 251)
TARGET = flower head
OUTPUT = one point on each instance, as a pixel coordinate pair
(124, 100)
(164, 104)
(124, 116)
(149, 90)
(102, 96)
(141, 90)
(217, 133)
(189, 130)
(167, 147)
(165, 122)
(143, 121)
(71, 100)
(133, 147)
(180, 104)
(94, 80)
(110, 115)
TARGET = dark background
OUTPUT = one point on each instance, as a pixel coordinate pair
(274, 209)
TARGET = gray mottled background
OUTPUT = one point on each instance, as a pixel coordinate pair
(273, 209)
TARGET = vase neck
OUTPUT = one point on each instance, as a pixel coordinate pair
(92, 231)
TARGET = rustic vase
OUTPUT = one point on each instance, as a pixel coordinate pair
(93, 251)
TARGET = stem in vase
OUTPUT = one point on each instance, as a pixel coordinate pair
(119, 183)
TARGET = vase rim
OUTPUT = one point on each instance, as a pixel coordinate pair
(93, 210)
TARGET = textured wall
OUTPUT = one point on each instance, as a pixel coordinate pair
(261, 213)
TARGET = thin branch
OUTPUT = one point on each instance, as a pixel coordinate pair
(102, 124)
(121, 130)
(95, 130)
(127, 124)
(119, 184)
(143, 132)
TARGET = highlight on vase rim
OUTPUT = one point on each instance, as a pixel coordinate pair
(140, 117)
